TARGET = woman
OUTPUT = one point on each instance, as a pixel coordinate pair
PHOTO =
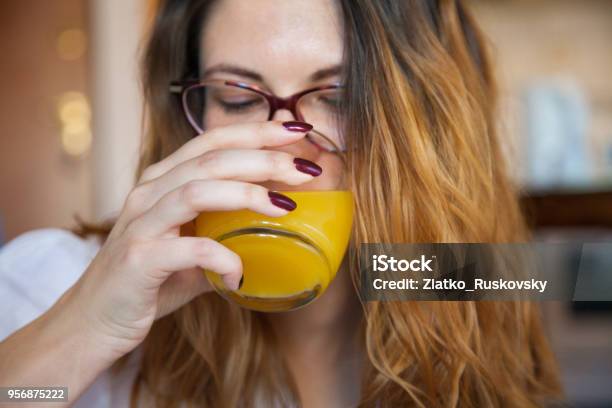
(423, 161)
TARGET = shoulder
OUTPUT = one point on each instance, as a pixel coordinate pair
(35, 269)
(51, 246)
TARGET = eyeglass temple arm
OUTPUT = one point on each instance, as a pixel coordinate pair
(177, 87)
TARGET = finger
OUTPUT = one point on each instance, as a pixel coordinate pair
(163, 257)
(185, 202)
(242, 135)
(237, 164)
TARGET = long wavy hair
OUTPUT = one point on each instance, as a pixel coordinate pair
(425, 165)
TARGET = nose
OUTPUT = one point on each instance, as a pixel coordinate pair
(283, 115)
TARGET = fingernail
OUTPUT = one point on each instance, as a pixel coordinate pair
(308, 167)
(296, 126)
(282, 201)
(241, 282)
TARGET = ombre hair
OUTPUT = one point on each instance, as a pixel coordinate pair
(425, 165)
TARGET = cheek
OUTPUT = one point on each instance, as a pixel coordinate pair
(333, 173)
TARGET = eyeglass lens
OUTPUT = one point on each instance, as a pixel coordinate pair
(213, 105)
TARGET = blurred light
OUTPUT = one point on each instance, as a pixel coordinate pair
(75, 117)
(71, 44)
(77, 143)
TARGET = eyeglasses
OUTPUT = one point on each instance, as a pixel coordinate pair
(217, 102)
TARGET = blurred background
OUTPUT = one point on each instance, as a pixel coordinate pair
(70, 114)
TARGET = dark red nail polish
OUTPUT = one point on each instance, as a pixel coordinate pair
(296, 126)
(241, 282)
(308, 167)
(282, 201)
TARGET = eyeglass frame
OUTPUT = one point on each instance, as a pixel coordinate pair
(182, 87)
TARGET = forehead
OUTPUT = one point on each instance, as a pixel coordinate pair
(273, 37)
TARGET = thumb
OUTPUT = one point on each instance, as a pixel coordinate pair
(181, 288)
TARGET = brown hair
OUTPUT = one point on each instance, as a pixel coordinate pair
(425, 166)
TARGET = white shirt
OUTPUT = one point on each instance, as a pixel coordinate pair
(36, 268)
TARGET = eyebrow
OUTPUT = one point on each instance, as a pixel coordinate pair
(326, 73)
(233, 69)
(318, 75)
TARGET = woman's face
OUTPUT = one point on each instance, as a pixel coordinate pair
(283, 47)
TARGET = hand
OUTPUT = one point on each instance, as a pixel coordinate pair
(146, 269)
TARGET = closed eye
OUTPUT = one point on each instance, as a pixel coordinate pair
(239, 105)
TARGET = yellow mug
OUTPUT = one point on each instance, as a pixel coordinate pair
(287, 261)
